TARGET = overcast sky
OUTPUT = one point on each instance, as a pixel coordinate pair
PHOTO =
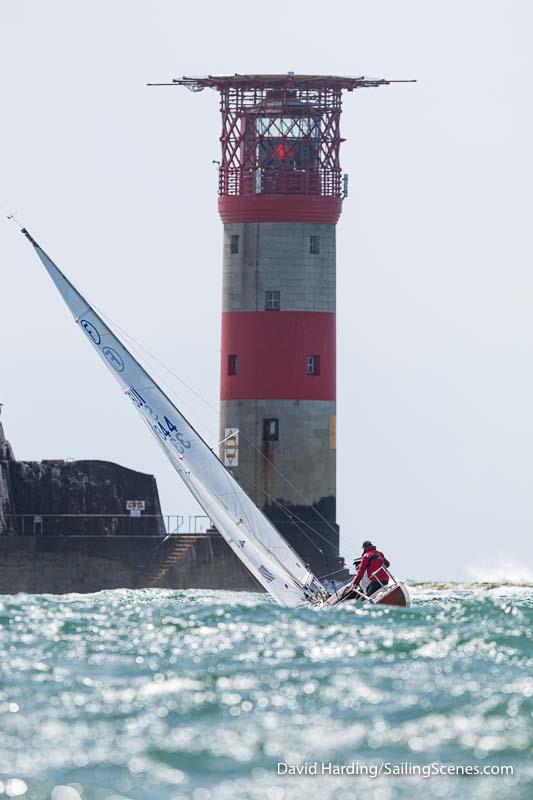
(435, 285)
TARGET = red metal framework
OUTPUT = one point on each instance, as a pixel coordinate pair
(280, 133)
(282, 140)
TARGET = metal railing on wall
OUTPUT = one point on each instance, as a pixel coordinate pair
(103, 524)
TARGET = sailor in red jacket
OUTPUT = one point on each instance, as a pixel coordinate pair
(370, 568)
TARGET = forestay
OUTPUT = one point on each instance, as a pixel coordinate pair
(249, 533)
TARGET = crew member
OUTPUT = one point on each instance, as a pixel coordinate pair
(371, 567)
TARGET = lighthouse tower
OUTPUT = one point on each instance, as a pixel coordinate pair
(281, 190)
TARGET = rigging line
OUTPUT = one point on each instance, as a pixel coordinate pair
(255, 481)
(159, 376)
(138, 346)
(197, 394)
(157, 360)
(280, 505)
(290, 514)
(250, 528)
(321, 577)
(298, 492)
(204, 426)
(212, 408)
(262, 546)
(259, 584)
(227, 476)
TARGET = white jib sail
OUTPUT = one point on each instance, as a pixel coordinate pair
(253, 538)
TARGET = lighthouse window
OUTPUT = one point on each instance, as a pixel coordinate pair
(270, 430)
(234, 244)
(272, 300)
(313, 365)
(314, 245)
(233, 364)
(287, 127)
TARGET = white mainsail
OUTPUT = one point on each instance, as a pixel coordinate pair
(253, 538)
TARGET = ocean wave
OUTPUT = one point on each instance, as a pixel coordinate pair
(173, 695)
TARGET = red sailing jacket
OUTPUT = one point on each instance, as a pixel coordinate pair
(370, 563)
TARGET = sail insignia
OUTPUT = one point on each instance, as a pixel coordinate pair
(267, 575)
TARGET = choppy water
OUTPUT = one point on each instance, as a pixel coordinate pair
(164, 694)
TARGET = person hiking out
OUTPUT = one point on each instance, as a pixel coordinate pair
(370, 570)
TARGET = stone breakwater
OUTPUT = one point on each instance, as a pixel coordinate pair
(55, 488)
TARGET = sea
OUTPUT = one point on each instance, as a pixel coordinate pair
(211, 695)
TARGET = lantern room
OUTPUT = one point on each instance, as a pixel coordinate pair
(280, 145)
(280, 148)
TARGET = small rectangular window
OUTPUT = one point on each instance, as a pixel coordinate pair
(234, 244)
(270, 430)
(313, 365)
(314, 245)
(233, 364)
(272, 301)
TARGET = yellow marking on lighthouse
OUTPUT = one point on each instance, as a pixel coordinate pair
(332, 433)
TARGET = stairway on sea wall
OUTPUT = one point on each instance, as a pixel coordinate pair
(172, 550)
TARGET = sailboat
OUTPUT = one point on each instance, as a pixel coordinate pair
(249, 533)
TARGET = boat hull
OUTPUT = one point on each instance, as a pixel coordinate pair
(395, 595)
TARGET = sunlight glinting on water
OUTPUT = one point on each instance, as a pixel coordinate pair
(186, 694)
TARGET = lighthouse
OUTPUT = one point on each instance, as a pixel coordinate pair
(281, 190)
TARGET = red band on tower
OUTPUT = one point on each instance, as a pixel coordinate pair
(279, 208)
(272, 349)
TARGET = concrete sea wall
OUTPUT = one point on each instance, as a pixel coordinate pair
(62, 564)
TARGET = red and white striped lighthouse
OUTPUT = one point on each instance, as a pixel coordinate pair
(280, 196)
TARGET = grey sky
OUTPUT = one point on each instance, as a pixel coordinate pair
(435, 391)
